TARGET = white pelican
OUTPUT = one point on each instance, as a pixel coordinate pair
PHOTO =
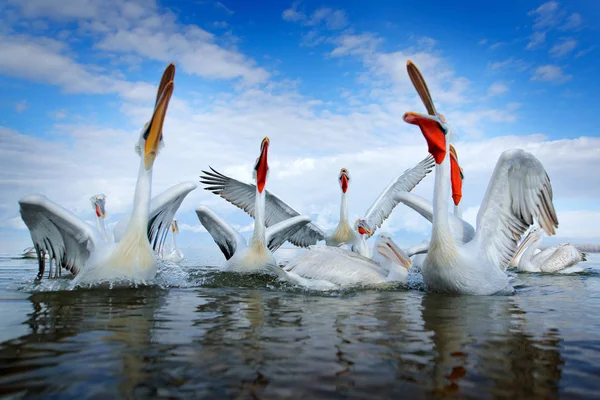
(257, 256)
(561, 258)
(345, 268)
(242, 195)
(519, 192)
(79, 248)
(173, 253)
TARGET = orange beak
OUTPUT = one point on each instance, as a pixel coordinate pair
(344, 181)
(433, 133)
(455, 177)
(262, 167)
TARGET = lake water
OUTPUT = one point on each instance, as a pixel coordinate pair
(203, 334)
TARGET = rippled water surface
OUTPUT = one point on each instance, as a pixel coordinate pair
(199, 333)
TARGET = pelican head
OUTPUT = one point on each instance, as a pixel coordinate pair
(261, 167)
(98, 203)
(174, 226)
(433, 125)
(387, 248)
(344, 179)
(363, 228)
(151, 136)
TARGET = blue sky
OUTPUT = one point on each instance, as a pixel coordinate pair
(325, 80)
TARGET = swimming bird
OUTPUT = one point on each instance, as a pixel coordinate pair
(341, 267)
(558, 259)
(242, 195)
(518, 193)
(257, 255)
(74, 245)
(173, 253)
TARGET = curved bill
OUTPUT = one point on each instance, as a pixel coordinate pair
(262, 165)
(421, 87)
(401, 258)
(168, 76)
(153, 133)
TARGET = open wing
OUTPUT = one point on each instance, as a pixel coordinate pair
(519, 192)
(277, 234)
(162, 211)
(461, 230)
(381, 209)
(242, 195)
(57, 232)
(227, 238)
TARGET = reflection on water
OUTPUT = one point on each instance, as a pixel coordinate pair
(224, 338)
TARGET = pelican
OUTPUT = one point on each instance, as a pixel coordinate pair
(174, 254)
(242, 195)
(561, 258)
(256, 256)
(518, 192)
(76, 246)
(341, 267)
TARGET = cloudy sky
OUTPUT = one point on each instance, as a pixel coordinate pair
(326, 81)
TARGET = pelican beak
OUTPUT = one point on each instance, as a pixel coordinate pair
(400, 254)
(456, 176)
(153, 134)
(262, 165)
(100, 208)
(174, 226)
(344, 179)
(433, 132)
(168, 76)
(421, 87)
(364, 231)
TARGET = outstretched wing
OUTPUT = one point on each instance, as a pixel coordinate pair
(242, 195)
(227, 238)
(381, 209)
(519, 192)
(163, 208)
(277, 234)
(57, 232)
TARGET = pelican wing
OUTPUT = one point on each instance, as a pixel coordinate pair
(519, 192)
(162, 211)
(242, 195)
(461, 230)
(228, 239)
(57, 232)
(381, 209)
(421, 248)
(277, 234)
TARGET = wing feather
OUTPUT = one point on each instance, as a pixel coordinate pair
(381, 209)
(519, 192)
(228, 239)
(242, 195)
(277, 234)
(56, 231)
(163, 208)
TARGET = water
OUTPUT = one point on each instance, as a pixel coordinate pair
(203, 334)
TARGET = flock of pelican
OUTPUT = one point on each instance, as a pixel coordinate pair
(458, 258)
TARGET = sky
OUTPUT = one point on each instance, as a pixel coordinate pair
(326, 81)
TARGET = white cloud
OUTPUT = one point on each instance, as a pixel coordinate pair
(326, 17)
(536, 40)
(585, 51)
(573, 22)
(563, 48)
(548, 15)
(550, 73)
(497, 88)
(510, 63)
(293, 14)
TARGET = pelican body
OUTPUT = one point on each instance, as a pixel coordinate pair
(518, 193)
(74, 245)
(558, 259)
(255, 256)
